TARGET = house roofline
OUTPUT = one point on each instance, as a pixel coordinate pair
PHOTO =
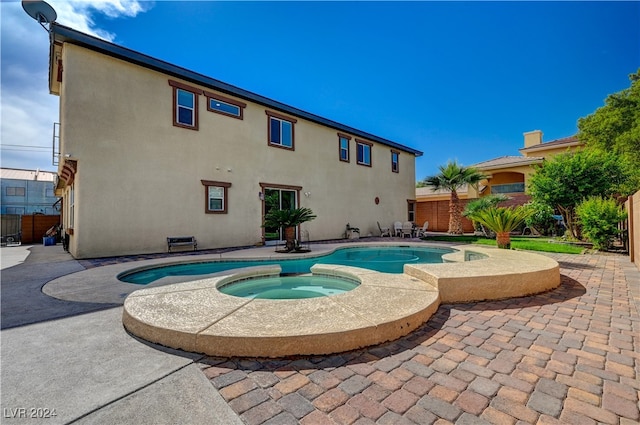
(565, 142)
(518, 161)
(62, 33)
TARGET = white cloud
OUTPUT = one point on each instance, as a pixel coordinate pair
(27, 110)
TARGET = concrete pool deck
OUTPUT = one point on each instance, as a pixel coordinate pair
(570, 355)
(195, 316)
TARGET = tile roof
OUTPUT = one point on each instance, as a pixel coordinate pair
(508, 160)
(427, 191)
(568, 141)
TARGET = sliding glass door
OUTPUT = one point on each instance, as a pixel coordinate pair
(279, 199)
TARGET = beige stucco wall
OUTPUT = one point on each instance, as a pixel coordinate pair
(139, 177)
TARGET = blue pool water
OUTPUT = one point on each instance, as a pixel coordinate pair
(289, 287)
(382, 259)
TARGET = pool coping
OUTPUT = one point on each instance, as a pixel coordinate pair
(197, 317)
(101, 284)
(194, 316)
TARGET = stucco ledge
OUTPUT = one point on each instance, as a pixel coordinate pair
(500, 274)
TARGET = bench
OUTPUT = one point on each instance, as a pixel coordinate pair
(182, 241)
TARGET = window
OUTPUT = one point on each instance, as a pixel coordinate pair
(507, 188)
(71, 206)
(411, 210)
(15, 191)
(343, 146)
(280, 130)
(215, 196)
(185, 105)
(395, 161)
(364, 152)
(49, 193)
(223, 105)
(15, 210)
(185, 108)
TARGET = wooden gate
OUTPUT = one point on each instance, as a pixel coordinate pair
(35, 226)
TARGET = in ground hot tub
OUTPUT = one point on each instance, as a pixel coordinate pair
(289, 287)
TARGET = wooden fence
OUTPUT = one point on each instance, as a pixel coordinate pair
(437, 214)
(632, 206)
(35, 226)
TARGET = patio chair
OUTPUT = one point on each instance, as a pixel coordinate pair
(397, 229)
(423, 231)
(407, 229)
(384, 231)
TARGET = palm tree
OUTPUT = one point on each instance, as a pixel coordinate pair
(483, 203)
(502, 221)
(452, 177)
(288, 219)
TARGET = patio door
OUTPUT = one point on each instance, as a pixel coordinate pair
(280, 199)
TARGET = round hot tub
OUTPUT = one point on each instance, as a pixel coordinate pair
(289, 287)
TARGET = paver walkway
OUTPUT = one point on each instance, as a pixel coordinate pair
(568, 356)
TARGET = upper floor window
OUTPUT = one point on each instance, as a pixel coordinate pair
(281, 130)
(215, 196)
(395, 161)
(343, 146)
(364, 152)
(224, 105)
(15, 191)
(507, 188)
(185, 108)
(185, 105)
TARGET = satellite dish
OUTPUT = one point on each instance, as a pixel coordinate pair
(40, 10)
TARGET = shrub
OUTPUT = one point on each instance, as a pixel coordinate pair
(501, 221)
(599, 218)
(541, 217)
(473, 207)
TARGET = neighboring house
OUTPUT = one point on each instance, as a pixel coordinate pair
(26, 192)
(150, 150)
(507, 175)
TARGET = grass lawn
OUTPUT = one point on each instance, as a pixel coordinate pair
(528, 243)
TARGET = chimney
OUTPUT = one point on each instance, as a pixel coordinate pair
(532, 138)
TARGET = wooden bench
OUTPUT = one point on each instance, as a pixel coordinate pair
(182, 241)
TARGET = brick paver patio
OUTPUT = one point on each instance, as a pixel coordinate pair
(568, 356)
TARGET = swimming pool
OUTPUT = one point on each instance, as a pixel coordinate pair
(388, 259)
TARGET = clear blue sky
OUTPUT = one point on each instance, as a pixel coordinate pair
(457, 80)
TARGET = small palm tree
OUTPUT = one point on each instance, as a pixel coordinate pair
(288, 219)
(502, 221)
(480, 204)
(452, 177)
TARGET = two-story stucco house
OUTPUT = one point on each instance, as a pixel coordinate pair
(150, 150)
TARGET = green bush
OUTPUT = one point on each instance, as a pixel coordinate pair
(541, 217)
(501, 221)
(599, 218)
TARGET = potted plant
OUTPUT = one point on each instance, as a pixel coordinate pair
(502, 221)
(288, 219)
